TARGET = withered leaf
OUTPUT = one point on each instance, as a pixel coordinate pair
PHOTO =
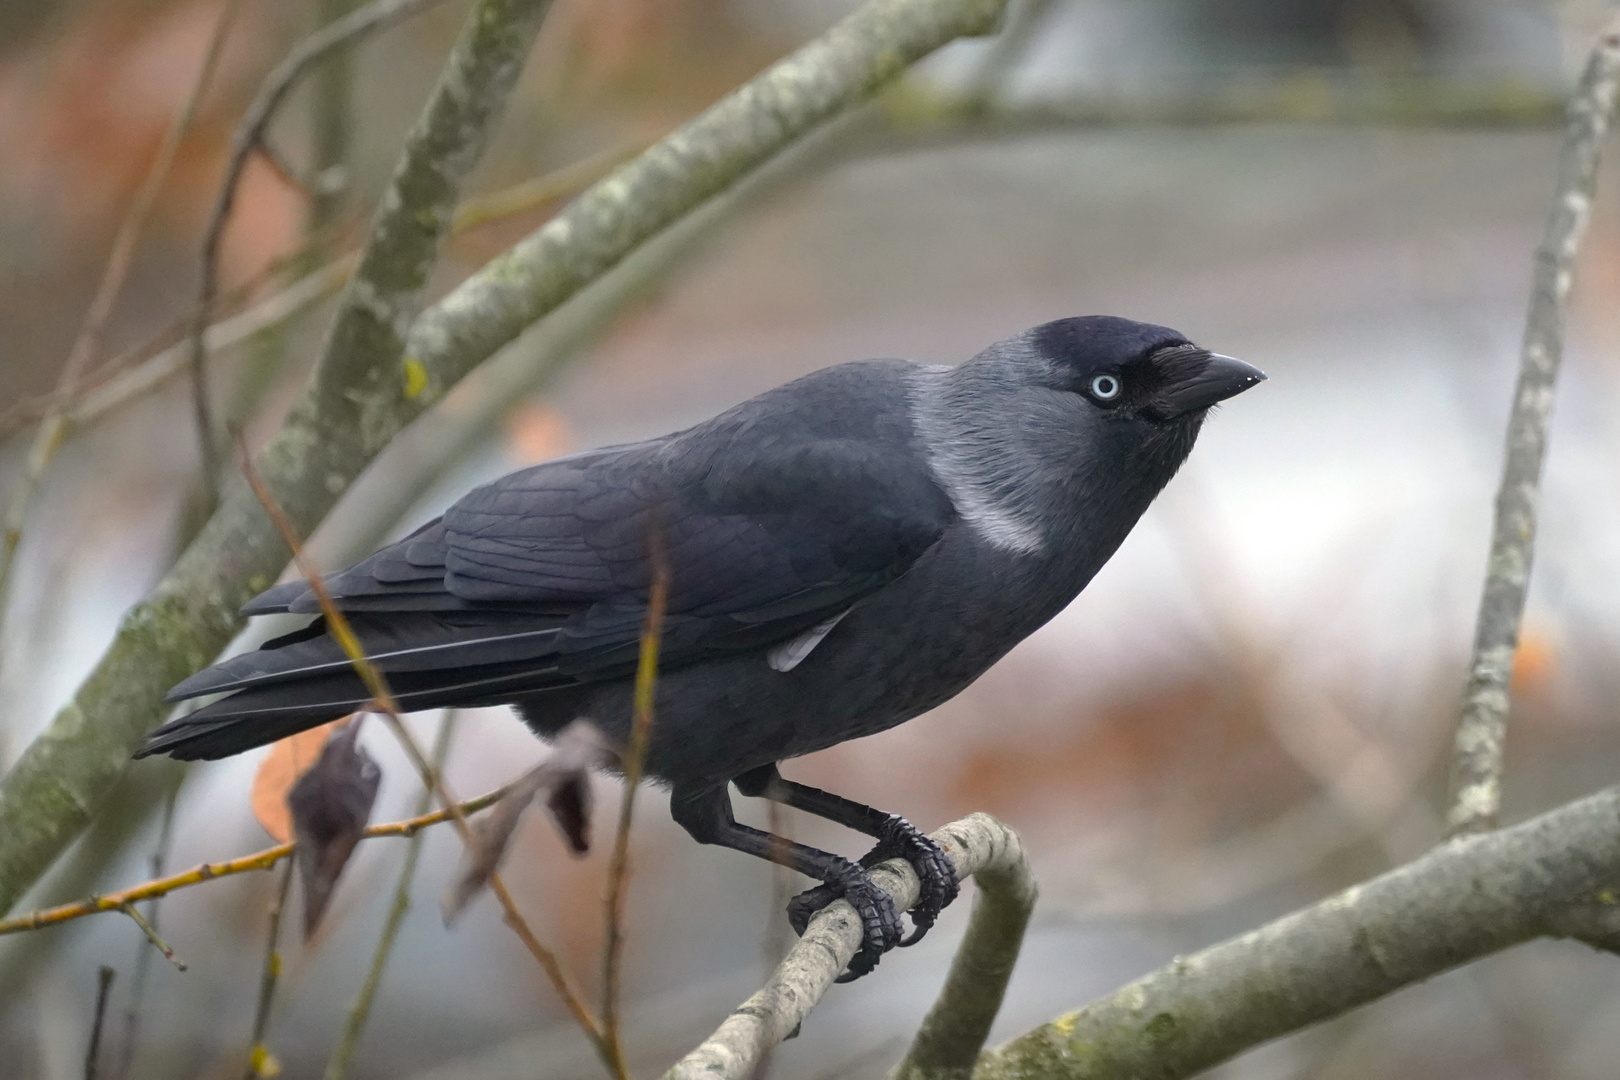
(330, 806)
(563, 779)
(281, 768)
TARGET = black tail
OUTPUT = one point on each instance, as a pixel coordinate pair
(430, 660)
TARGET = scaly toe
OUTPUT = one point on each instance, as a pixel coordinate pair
(802, 908)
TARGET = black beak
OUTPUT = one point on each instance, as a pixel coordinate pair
(1222, 377)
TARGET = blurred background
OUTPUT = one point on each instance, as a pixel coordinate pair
(1250, 706)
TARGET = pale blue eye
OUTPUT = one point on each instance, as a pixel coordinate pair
(1105, 387)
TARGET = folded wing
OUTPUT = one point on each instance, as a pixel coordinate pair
(541, 579)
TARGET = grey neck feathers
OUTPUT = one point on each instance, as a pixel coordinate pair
(1035, 470)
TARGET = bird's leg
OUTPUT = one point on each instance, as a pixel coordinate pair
(706, 814)
(896, 838)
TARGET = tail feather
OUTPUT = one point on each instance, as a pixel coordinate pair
(404, 642)
(262, 714)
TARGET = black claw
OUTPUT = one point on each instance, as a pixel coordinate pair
(880, 923)
(935, 873)
(802, 908)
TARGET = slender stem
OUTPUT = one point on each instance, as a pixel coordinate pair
(53, 428)
(249, 137)
(152, 935)
(1476, 772)
(337, 1068)
(337, 625)
(197, 875)
(143, 956)
(258, 1052)
(634, 761)
(92, 1054)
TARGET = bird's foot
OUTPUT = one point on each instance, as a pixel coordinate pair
(880, 923)
(936, 874)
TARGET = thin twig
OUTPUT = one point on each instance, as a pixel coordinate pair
(152, 935)
(248, 138)
(1476, 771)
(148, 367)
(197, 875)
(259, 1062)
(285, 171)
(53, 427)
(143, 956)
(527, 195)
(989, 80)
(92, 1054)
(338, 1066)
(634, 761)
(338, 627)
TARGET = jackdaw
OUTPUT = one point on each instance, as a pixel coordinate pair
(843, 553)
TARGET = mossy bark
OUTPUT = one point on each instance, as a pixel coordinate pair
(1556, 875)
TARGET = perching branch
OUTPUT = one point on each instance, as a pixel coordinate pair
(1466, 899)
(356, 404)
(947, 1044)
(1476, 774)
(978, 845)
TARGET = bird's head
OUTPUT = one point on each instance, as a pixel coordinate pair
(1132, 371)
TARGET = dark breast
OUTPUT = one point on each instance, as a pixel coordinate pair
(899, 653)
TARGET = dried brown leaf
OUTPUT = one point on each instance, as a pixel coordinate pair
(330, 806)
(278, 772)
(563, 779)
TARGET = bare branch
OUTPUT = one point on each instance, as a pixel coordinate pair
(92, 1054)
(152, 936)
(260, 1062)
(338, 1066)
(249, 137)
(337, 625)
(197, 875)
(356, 405)
(53, 426)
(156, 370)
(1476, 773)
(978, 844)
(947, 1044)
(635, 756)
(1466, 899)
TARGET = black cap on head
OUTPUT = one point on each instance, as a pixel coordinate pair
(1090, 342)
